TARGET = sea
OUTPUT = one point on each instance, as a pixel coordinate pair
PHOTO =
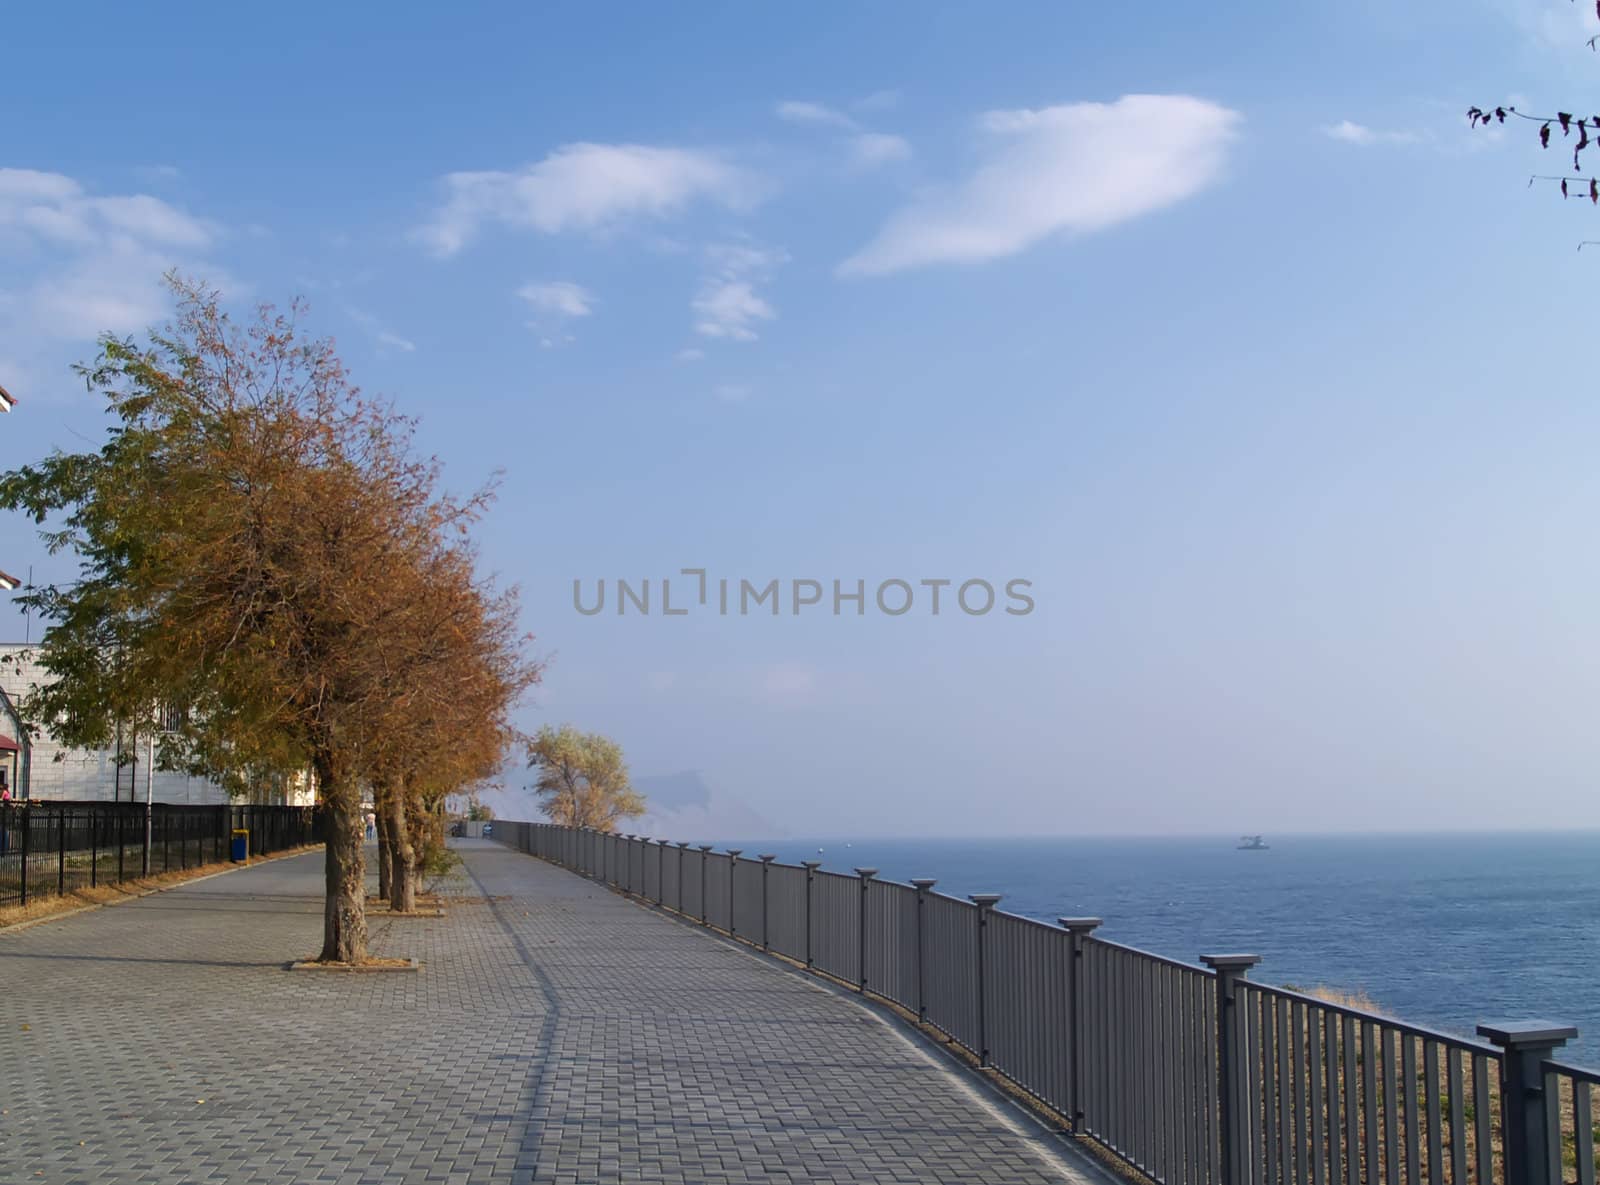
(1442, 930)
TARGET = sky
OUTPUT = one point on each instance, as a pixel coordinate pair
(1219, 328)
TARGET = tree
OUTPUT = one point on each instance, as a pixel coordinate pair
(583, 780)
(1578, 133)
(255, 541)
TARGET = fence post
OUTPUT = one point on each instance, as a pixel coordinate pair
(683, 846)
(866, 875)
(122, 840)
(985, 902)
(94, 847)
(1078, 929)
(766, 867)
(922, 884)
(705, 851)
(1233, 1075)
(627, 863)
(733, 867)
(24, 814)
(1528, 1112)
(61, 851)
(661, 871)
(811, 867)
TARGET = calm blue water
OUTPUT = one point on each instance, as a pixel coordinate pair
(1441, 930)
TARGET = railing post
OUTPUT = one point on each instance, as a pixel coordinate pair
(922, 884)
(627, 863)
(766, 867)
(811, 867)
(24, 812)
(661, 871)
(985, 902)
(1078, 930)
(94, 847)
(733, 866)
(1530, 1160)
(683, 846)
(705, 851)
(61, 851)
(1233, 1077)
(866, 875)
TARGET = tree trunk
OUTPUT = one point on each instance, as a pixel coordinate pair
(403, 876)
(344, 915)
(385, 855)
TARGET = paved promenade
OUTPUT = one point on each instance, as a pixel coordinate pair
(557, 1033)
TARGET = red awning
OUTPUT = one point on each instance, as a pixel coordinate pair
(7, 745)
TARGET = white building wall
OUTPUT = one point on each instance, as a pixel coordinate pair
(83, 776)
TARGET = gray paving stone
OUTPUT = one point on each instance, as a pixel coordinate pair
(557, 1033)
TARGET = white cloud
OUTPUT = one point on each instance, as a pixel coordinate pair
(879, 101)
(384, 336)
(394, 340)
(560, 298)
(1075, 168)
(795, 111)
(877, 148)
(691, 354)
(1355, 133)
(584, 187)
(727, 305)
(82, 264)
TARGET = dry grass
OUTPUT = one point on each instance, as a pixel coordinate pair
(47, 907)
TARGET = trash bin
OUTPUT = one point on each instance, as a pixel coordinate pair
(240, 847)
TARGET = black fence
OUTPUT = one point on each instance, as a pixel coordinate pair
(1193, 1075)
(53, 848)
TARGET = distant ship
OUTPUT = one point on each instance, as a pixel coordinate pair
(1251, 843)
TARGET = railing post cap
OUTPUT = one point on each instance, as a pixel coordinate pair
(923, 882)
(705, 847)
(984, 900)
(813, 865)
(683, 843)
(866, 874)
(1227, 963)
(768, 857)
(1524, 1034)
(735, 851)
(1080, 925)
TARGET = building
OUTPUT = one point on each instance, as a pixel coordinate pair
(40, 768)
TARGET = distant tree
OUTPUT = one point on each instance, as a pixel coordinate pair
(583, 780)
(478, 811)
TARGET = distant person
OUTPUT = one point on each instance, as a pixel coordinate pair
(372, 828)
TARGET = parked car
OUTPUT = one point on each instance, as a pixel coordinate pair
(487, 827)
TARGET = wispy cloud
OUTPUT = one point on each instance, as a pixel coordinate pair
(90, 263)
(820, 114)
(555, 303)
(1076, 168)
(382, 334)
(584, 187)
(866, 147)
(878, 148)
(558, 297)
(732, 392)
(728, 305)
(1355, 133)
(690, 354)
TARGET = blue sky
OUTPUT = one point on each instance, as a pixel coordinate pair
(1219, 327)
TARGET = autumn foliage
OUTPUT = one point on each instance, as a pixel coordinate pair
(260, 545)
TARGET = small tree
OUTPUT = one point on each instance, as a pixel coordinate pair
(583, 780)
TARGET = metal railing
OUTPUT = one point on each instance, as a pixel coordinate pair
(51, 848)
(1191, 1075)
